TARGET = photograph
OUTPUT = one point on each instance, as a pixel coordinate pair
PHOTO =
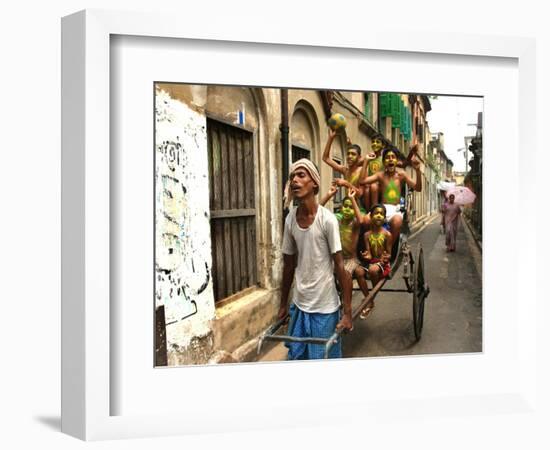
(304, 224)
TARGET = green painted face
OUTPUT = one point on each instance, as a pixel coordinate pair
(347, 209)
(378, 216)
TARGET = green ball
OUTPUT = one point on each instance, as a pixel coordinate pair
(337, 121)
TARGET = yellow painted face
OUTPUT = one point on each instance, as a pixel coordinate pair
(390, 160)
(352, 156)
(377, 145)
(378, 216)
(347, 209)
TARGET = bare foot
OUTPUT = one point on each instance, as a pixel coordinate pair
(365, 313)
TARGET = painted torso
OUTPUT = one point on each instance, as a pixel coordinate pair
(353, 176)
(346, 238)
(375, 165)
(392, 191)
(377, 243)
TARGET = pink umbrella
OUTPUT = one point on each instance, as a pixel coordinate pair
(463, 195)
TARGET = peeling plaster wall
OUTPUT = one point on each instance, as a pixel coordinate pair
(182, 234)
(301, 131)
(226, 102)
(274, 183)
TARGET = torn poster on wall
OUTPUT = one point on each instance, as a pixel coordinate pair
(182, 229)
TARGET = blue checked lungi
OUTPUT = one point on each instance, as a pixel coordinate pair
(303, 324)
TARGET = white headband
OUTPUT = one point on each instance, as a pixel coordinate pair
(313, 172)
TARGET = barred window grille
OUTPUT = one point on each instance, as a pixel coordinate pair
(232, 208)
(339, 196)
(299, 153)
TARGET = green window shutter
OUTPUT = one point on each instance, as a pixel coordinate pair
(385, 106)
(396, 111)
(406, 116)
(405, 121)
(367, 105)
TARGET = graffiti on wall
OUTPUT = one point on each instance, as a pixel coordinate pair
(182, 239)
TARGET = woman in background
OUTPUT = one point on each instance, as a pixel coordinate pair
(451, 216)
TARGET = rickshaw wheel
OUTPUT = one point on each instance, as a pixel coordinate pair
(420, 292)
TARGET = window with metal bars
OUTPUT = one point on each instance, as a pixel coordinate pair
(232, 208)
(339, 196)
(299, 153)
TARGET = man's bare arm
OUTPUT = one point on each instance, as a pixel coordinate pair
(344, 279)
(289, 266)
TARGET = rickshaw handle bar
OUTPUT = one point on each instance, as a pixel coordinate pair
(269, 336)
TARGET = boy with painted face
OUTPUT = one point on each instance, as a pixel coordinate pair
(378, 244)
(312, 254)
(354, 170)
(375, 165)
(391, 180)
(349, 221)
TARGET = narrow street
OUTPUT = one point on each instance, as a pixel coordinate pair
(453, 310)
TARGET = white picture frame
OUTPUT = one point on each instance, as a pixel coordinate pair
(87, 355)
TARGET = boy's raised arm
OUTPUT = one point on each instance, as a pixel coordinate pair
(365, 164)
(358, 214)
(330, 193)
(326, 154)
(417, 186)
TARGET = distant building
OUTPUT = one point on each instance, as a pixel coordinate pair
(459, 178)
(473, 178)
(443, 166)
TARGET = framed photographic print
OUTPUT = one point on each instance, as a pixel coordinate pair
(177, 147)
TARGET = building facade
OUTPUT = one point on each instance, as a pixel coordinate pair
(473, 179)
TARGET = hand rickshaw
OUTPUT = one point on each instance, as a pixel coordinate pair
(413, 276)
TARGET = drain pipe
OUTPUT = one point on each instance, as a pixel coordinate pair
(284, 137)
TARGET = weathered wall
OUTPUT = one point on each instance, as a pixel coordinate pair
(196, 328)
(183, 255)
(226, 103)
(302, 132)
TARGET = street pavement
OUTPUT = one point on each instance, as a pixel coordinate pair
(453, 309)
